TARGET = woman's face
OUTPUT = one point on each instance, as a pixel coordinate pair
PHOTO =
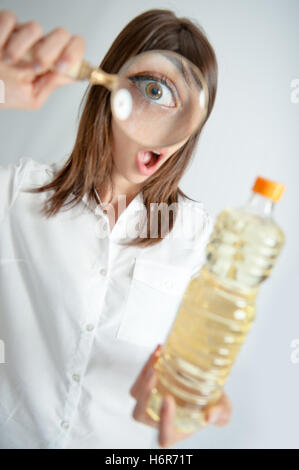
(135, 163)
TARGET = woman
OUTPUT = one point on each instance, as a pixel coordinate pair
(82, 304)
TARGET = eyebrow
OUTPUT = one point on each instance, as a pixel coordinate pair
(181, 68)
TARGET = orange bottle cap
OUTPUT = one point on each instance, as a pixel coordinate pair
(268, 188)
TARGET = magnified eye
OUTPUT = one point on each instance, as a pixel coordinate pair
(158, 90)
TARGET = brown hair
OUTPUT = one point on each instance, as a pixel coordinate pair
(90, 163)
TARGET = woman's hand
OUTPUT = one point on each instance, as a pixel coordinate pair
(27, 86)
(218, 414)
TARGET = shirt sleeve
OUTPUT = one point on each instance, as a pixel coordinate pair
(10, 180)
(201, 244)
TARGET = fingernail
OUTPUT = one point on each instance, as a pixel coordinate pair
(157, 353)
(214, 417)
(61, 65)
(6, 59)
(37, 67)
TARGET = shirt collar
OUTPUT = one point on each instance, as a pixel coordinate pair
(136, 212)
(136, 204)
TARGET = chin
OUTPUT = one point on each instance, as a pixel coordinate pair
(135, 179)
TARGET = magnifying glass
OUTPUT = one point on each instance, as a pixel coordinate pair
(158, 98)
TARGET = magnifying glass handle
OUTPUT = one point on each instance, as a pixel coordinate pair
(83, 70)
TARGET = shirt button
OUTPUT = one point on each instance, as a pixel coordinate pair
(76, 378)
(103, 272)
(65, 424)
(89, 327)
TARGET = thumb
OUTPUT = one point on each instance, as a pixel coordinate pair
(45, 84)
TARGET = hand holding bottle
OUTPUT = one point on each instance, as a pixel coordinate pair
(218, 308)
(218, 414)
(28, 85)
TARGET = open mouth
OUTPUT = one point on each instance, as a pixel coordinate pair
(150, 158)
(147, 161)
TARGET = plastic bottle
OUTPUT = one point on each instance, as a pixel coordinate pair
(218, 308)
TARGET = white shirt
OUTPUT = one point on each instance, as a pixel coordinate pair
(80, 314)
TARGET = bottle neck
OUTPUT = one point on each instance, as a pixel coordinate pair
(260, 205)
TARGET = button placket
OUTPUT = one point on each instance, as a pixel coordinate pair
(73, 395)
(102, 227)
(99, 271)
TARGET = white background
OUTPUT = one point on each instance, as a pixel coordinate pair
(252, 131)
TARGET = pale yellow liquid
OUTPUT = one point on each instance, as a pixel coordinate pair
(215, 315)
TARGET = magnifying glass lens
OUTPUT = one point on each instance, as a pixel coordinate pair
(161, 98)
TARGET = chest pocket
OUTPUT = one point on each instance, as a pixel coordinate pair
(155, 294)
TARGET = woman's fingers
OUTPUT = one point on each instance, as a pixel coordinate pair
(167, 414)
(48, 49)
(139, 412)
(31, 63)
(138, 384)
(8, 21)
(44, 85)
(141, 391)
(71, 54)
(167, 433)
(220, 413)
(21, 40)
(58, 48)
